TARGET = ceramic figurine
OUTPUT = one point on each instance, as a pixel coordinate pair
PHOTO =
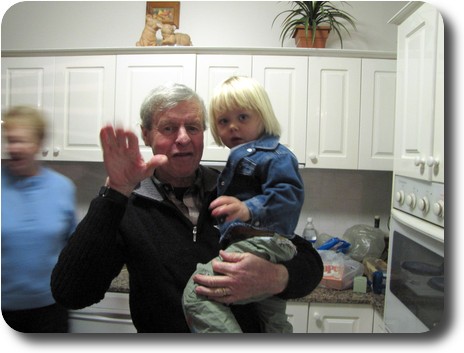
(171, 38)
(148, 37)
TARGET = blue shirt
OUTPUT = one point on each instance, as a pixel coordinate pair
(264, 175)
(38, 216)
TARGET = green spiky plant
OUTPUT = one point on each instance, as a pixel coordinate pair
(311, 14)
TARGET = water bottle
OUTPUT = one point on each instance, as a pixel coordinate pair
(309, 232)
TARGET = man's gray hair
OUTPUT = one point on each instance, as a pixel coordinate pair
(165, 97)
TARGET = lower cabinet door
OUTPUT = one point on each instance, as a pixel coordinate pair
(340, 318)
(298, 316)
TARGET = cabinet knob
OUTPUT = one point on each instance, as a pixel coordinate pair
(318, 319)
(433, 162)
(45, 151)
(418, 161)
(56, 151)
(312, 157)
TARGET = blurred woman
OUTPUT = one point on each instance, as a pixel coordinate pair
(38, 216)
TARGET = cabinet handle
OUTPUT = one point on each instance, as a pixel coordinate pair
(45, 151)
(312, 157)
(56, 151)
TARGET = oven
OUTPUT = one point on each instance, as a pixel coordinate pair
(415, 290)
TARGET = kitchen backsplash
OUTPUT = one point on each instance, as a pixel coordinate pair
(335, 199)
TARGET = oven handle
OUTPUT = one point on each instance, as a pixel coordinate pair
(419, 225)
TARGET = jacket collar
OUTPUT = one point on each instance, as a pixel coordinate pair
(266, 142)
(150, 188)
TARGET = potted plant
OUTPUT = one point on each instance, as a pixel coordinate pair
(306, 18)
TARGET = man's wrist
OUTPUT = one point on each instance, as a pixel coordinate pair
(281, 281)
(112, 194)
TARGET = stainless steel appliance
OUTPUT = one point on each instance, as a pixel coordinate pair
(415, 291)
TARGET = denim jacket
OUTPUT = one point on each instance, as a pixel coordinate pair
(264, 175)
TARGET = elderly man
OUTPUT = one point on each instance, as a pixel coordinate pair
(153, 216)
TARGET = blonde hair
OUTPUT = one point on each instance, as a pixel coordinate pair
(24, 116)
(244, 93)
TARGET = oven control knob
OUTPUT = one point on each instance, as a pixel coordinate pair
(399, 197)
(423, 204)
(439, 208)
(411, 200)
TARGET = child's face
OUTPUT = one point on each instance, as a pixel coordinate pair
(239, 126)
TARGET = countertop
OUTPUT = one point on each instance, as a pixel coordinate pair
(319, 295)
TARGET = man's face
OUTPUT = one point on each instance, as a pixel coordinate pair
(177, 133)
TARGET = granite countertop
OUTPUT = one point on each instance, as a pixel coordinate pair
(319, 295)
(333, 296)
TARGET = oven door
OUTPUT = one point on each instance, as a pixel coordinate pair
(414, 296)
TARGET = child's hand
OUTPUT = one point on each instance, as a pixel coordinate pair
(228, 208)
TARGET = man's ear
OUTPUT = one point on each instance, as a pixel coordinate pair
(145, 136)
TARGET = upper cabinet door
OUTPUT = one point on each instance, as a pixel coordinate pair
(437, 161)
(211, 71)
(333, 113)
(137, 75)
(377, 124)
(84, 102)
(30, 81)
(417, 63)
(285, 81)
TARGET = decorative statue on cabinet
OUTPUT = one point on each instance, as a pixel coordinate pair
(148, 37)
(171, 38)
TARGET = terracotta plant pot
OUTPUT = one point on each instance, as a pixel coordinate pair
(322, 32)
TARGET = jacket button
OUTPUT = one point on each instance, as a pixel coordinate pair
(249, 149)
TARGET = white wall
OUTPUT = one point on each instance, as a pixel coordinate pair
(95, 24)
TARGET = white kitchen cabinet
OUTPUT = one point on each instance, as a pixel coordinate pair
(340, 318)
(333, 112)
(285, 81)
(377, 120)
(137, 75)
(30, 81)
(419, 150)
(76, 93)
(297, 313)
(351, 113)
(378, 325)
(84, 103)
(211, 71)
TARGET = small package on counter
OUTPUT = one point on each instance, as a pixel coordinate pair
(339, 270)
(371, 265)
